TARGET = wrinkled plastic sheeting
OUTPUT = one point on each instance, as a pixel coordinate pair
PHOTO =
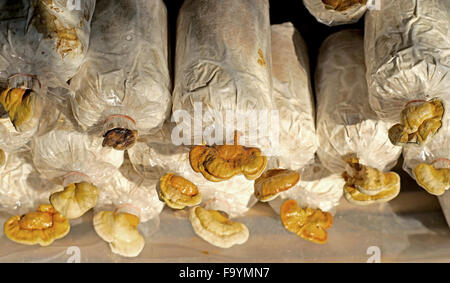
(293, 98)
(66, 152)
(126, 69)
(154, 156)
(346, 125)
(407, 49)
(331, 17)
(52, 51)
(223, 64)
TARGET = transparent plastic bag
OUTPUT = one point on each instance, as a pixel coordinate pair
(154, 156)
(21, 186)
(346, 125)
(125, 80)
(67, 156)
(293, 98)
(336, 15)
(223, 65)
(407, 50)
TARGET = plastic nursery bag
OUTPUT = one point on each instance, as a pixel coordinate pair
(346, 125)
(123, 88)
(67, 156)
(223, 72)
(46, 38)
(293, 98)
(407, 49)
(21, 187)
(336, 12)
(155, 155)
(127, 191)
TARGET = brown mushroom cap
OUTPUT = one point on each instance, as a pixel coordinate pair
(120, 139)
(391, 190)
(342, 5)
(434, 181)
(41, 227)
(178, 192)
(270, 184)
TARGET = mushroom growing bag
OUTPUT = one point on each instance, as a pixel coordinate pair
(293, 98)
(223, 72)
(407, 49)
(123, 88)
(336, 12)
(346, 125)
(156, 155)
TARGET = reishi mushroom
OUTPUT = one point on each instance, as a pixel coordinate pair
(434, 180)
(178, 192)
(75, 200)
(270, 184)
(41, 227)
(216, 228)
(18, 103)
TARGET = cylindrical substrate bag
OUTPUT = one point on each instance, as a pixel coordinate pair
(407, 50)
(351, 137)
(123, 88)
(223, 72)
(336, 12)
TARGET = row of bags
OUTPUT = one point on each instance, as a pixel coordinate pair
(80, 119)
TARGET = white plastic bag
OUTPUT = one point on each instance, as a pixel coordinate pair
(223, 64)
(346, 125)
(293, 98)
(67, 156)
(154, 156)
(407, 49)
(340, 14)
(125, 80)
(21, 187)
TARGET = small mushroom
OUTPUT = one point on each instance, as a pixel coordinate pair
(18, 103)
(120, 139)
(310, 224)
(270, 184)
(391, 191)
(41, 227)
(119, 229)
(419, 122)
(220, 163)
(75, 200)
(342, 5)
(433, 180)
(216, 228)
(178, 192)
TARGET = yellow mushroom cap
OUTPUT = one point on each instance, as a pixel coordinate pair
(216, 228)
(270, 184)
(433, 180)
(18, 103)
(120, 231)
(2, 157)
(310, 224)
(179, 192)
(75, 200)
(41, 227)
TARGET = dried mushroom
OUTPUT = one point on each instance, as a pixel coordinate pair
(120, 231)
(41, 227)
(220, 163)
(18, 103)
(178, 192)
(120, 139)
(342, 5)
(270, 184)
(310, 224)
(418, 123)
(433, 180)
(216, 228)
(75, 200)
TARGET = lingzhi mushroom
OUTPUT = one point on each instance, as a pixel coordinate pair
(270, 184)
(75, 200)
(178, 192)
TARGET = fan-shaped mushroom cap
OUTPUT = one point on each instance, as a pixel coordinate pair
(310, 224)
(178, 192)
(18, 102)
(216, 228)
(270, 184)
(391, 189)
(41, 227)
(433, 180)
(75, 200)
(418, 123)
(120, 231)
